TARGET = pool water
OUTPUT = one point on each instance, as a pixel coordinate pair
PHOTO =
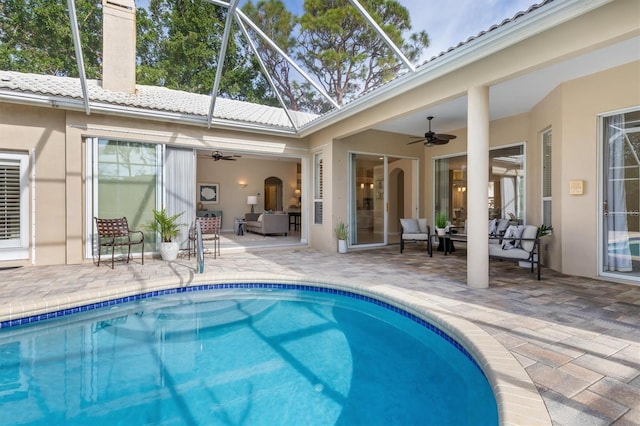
(251, 357)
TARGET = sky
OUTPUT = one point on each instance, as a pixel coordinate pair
(448, 22)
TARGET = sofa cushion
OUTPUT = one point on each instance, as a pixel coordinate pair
(416, 237)
(530, 232)
(516, 253)
(422, 225)
(410, 226)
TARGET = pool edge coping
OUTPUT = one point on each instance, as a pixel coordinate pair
(518, 400)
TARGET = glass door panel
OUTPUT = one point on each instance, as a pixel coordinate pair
(621, 195)
(127, 183)
(367, 200)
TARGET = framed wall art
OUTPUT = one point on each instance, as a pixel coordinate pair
(209, 193)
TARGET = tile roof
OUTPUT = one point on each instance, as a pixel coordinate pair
(151, 98)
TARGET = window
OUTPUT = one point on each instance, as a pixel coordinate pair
(318, 183)
(506, 188)
(546, 178)
(14, 206)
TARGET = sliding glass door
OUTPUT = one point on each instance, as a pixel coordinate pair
(383, 189)
(368, 199)
(621, 195)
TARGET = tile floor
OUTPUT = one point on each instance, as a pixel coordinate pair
(578, 339)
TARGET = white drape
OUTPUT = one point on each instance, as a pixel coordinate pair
(508, 195)
(180, 188)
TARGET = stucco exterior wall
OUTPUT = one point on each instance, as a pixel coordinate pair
(544, 116)
(583, 101)
(55, 138)
(321, 236)
(41, 133)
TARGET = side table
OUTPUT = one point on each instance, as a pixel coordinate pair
(239, 225)
(445, 244)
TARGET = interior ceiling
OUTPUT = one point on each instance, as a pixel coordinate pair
(517, 95)
(206, 155)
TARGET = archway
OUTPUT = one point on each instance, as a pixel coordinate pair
(273, 194)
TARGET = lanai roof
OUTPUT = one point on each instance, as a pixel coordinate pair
(179, 106)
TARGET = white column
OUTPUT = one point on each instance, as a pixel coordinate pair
(477, 187)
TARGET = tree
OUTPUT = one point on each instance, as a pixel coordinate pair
(36, 37)
(178, 48)
(273, 18)
(342, 50)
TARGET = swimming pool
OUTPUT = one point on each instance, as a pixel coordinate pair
(313, 358)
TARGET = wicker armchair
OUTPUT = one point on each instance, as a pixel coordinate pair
(210, 232)
(116, 233)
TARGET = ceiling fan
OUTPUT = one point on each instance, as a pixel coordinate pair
(217, 155)
(432, 138)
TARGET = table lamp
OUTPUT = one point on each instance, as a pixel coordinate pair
(252, 200)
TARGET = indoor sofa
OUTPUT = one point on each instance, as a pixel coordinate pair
(268, 223)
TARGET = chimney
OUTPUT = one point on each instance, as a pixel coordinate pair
(119, 46)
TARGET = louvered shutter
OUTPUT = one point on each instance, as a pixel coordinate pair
(9, 202)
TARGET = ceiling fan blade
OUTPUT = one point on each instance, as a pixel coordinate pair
(419, 140)
(443, 136)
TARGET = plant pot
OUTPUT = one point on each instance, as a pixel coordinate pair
(342, 246)
(441, 231)
(169, 251)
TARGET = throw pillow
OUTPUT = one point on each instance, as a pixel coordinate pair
(493, 223)
(511, 237)
(410, 226)
(422, 225)
(502, 226)
(260, 218)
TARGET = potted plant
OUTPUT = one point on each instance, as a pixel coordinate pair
(168, 228)
(342, 233)
(544, 230)
(441, 223)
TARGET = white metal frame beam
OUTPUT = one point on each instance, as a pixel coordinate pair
(266, 73)
(73, 18)
(221, 56)
(382, 34)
